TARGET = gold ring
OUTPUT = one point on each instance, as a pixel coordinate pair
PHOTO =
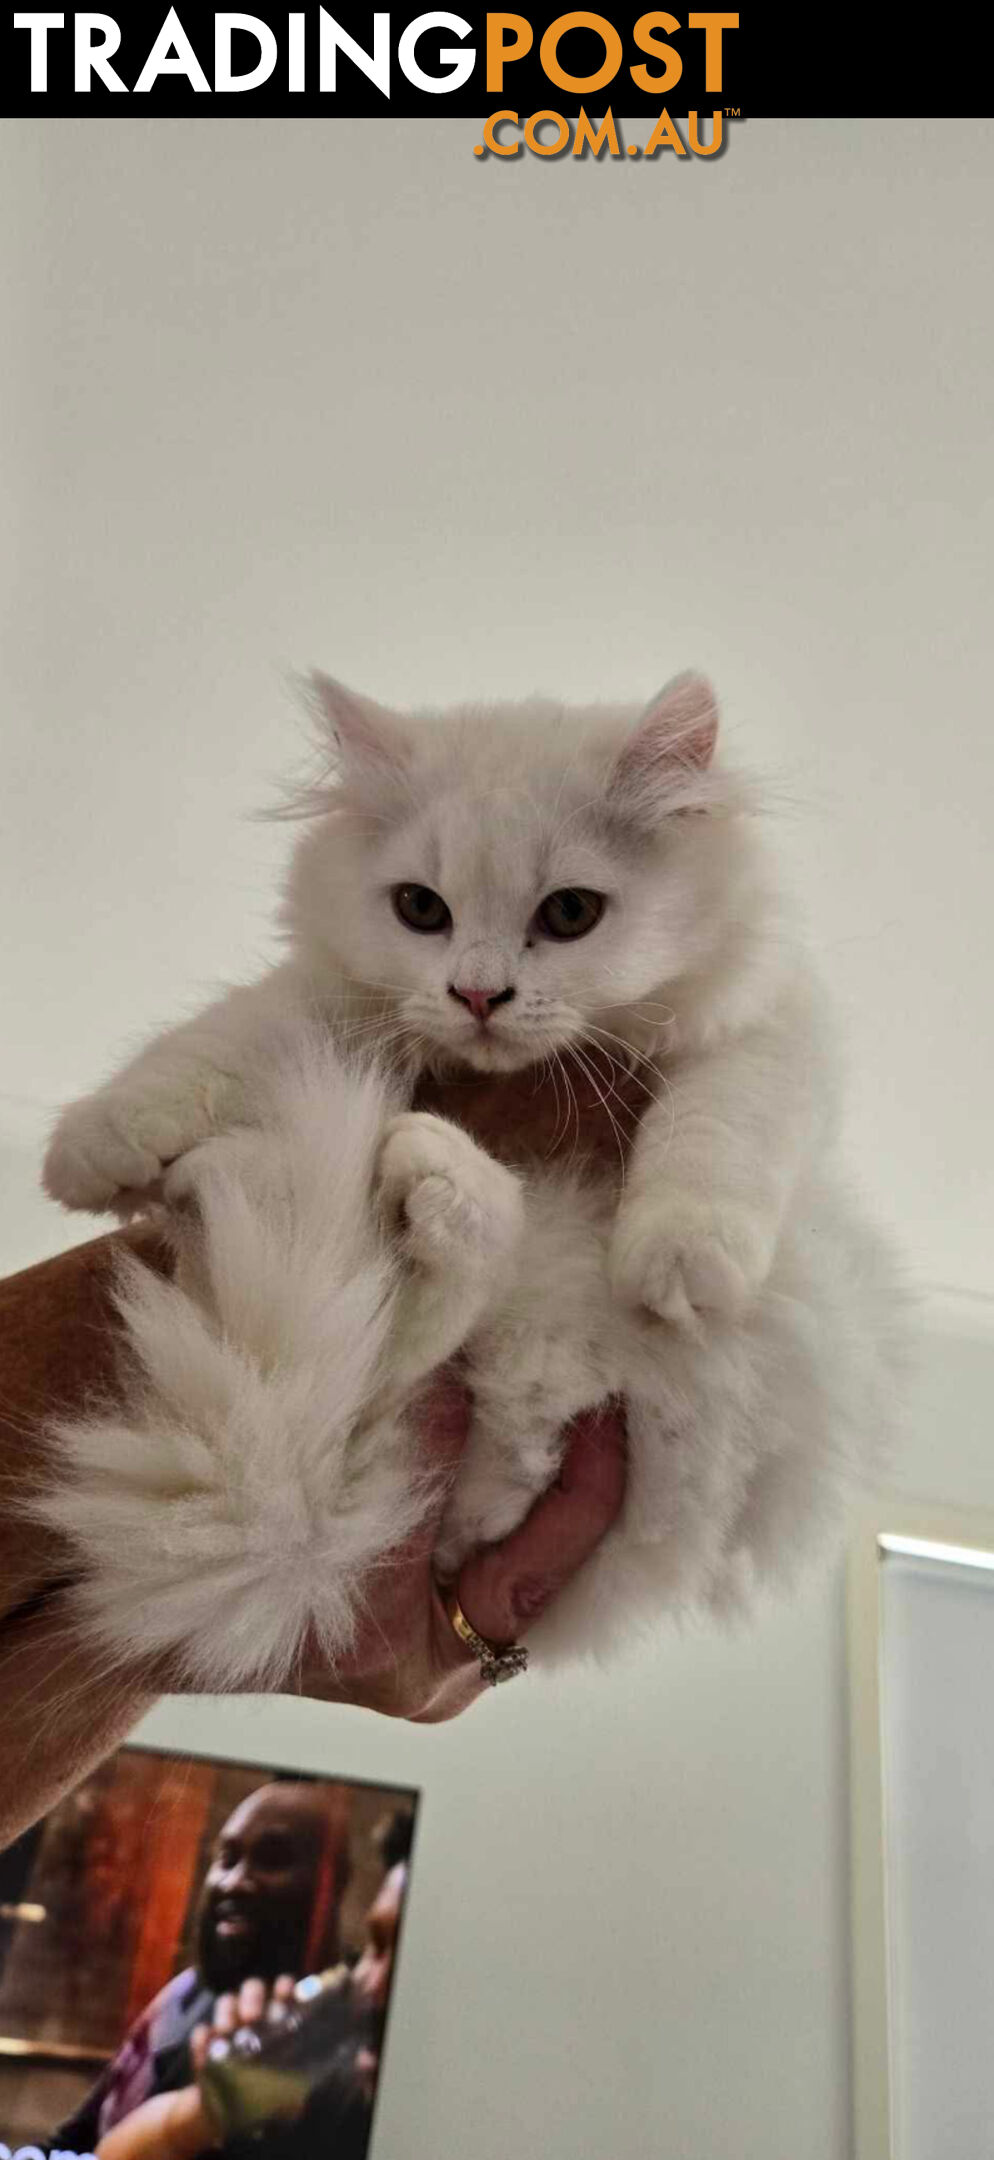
(498, 1661)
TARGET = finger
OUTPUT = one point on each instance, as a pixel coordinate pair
(226, 2015)
(199, 2043)
(503, 1591)
(251, 2001)
(281, 1998)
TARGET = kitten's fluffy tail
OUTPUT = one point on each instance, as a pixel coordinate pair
(230, 1503)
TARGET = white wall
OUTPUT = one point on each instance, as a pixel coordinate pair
(282, 393)
(288, 393)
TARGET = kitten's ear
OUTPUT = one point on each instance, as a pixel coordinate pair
(671, 747)
(369, 742)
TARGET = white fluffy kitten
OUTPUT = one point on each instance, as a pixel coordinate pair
(496, 887)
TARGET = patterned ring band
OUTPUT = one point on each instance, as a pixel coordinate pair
(497, 1661)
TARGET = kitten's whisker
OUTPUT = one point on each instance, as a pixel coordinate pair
(638, 1006)
(616, 1073)
(600, 1051)
(360, 988)
(371, 1039)
(663, 1090)
(571, 1097)
(365, 1027)
(553, 1075)
(628, 1055)
(388, 1022)
(629, 1050)
(575, 1052)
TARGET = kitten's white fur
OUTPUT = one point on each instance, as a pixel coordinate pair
(258, 1466)
(728, 1288)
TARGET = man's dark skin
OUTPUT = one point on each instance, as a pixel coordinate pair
(258, 1894)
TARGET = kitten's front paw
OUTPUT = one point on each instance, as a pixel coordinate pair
(114, 1145)
(454, 1205)
(683, 1259)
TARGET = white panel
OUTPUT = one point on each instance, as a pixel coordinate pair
(938, 1730)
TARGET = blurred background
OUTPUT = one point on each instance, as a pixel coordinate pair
(280, 394)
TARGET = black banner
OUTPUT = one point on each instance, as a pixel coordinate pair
(751, 62)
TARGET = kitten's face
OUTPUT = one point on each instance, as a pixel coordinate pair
(510, 880)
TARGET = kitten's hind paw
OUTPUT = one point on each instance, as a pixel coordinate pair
(452, 1203)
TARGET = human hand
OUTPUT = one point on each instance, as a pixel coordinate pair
(179, 2125)
(239, 2019)
(170, 2126)
(407, 1660)
(64, 1708)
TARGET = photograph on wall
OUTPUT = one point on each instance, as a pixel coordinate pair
(199, 1950)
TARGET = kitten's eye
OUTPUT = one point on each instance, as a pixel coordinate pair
(420, 908)
(570, 913)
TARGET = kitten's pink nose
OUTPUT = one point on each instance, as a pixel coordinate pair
(481, 1002)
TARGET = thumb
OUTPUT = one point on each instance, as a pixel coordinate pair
(504, 1590)
(172, 2126)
